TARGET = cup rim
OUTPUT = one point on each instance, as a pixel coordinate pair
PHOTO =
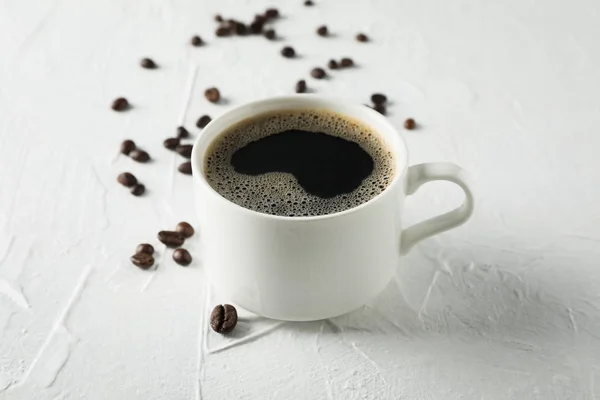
(197, 158)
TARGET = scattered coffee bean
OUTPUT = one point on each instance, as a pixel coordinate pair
(309, 3)
(380, 108)
(138, 189)
(260, 18)
(223, 318)
(272, 13)
(270, 34)
(346, 62)
(127, 147)
(223, 31)
(212, 94)
(318, 73)
(203, 121)
(332, 64)
(256, 27)
(182, 133)
(196, 41)
(171, 143)
(144, 248)
(184, 150)
(120, 104)
(126, 179)
(182, 257)
(218, 18)
(185, 168)
(171, 238)
(322, 31)
(142, 260)
(139, 156)
(288, 52)
(148, 63)
(186, 230)
(241, 29)
(378, 98)
(410, 124)
(361, 37)
(301, 86)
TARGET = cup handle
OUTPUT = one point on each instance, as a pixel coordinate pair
(422, 173)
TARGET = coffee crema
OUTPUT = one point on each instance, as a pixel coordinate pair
(299, 163)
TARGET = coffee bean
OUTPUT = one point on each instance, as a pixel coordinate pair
(184, 150)
(270, 34)
(182, 133)
(272, 13)
(410, 124)
(127, 147)
(148, 63)
(380, 108)
(203, 121)
(223, 318)
(171, 238)
(139, 156)
(144, 248)
(142, 260)
(185, 229)
(361, 37)
(138, 189)
(185, 168)
(223, 31)
(288, 52)
(218, 18)
(240, 29)
(260, 18)
(171, 143)
(256, 27)
(378, 98)
(322, 31)
(332, 64)
(301, 86)
(346, 62)
(309, 3)
(196, 41)
(126, 179)
(212, 94)
(318, 73)
(182, 257)
(120, 104)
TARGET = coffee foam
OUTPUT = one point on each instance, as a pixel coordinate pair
(279, 193)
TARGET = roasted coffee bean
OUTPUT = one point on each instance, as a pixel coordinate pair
(380, 108)
(272, 13)
(223, 31)
(256, 27)
(260, 18)
(138, 189)
(322, 31)
(186, 230)
(410, 124)
(148, 63)
(378, 98)
(270, 34)
(346, 62)
(182, 133)
(240, 29)
(318, 73)
(309, 3)
(361, 37)
(223, 318)
(301, 86)
(126, 179)
(142, 260)
(332, 64)
(196, 41)
(185, 168)
(203, 121)
(218, 18)
(288, 52)
(120, 104)
(212, 94)
(182, 257)
(171, 238)
(144, 248)
(127, 147)
(171, 143)
(139, 156)
(184, 150)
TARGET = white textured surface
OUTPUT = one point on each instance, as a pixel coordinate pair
(506, 307)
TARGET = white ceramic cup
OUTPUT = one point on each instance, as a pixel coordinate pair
(309, 268)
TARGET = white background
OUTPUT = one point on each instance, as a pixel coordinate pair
(505, 307)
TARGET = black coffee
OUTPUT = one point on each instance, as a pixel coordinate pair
(299, 163)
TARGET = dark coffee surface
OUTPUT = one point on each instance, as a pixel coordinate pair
(299, 163)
